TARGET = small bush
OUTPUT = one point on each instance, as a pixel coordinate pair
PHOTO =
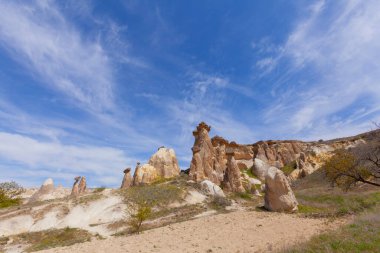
(288, 168)
(10, 194)
(219, 203)
(141, 213)
(99, 189)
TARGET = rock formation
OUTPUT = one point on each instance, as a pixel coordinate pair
(204, 164)
(279, 196)
(75, 190)
(79, 186)
(211, 189)
(165, 161)
(46, 189)
(145, 174)
(232, 176)
(82, 185)
(127, 179)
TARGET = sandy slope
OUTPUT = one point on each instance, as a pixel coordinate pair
(239, 231)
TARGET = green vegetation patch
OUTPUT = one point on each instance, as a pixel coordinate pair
(337, 204)
(154, 195)
(52, 238)
(288, 168)
(363, 235)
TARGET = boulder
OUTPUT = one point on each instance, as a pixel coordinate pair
(232, 176)
(127, 180)
(165, 161)
(145, 174)
(211, 189)
(260, 169)
(279, 197)
(46, 189)
(204, 164)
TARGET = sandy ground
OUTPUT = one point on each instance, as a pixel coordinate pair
(239, 231)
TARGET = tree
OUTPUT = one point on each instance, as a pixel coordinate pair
(139, 213)
(348, 167)
(10, 194)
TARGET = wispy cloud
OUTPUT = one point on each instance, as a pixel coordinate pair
(338, 43)
(56, 158)
(38, 36)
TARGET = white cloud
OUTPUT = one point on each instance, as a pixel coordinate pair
(55, 157)
(37, 35)
(338, 46)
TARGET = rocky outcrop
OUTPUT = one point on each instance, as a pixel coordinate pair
(127, 179)
(205, 164)
(232, 176)
(82, 185)
(47, 188)
(162, 164)
(278, 153)
(279, 197)
(211, 189)
(145, 174)
(79, 186)
(165, 161)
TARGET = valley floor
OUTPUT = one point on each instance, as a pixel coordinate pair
(240, 231)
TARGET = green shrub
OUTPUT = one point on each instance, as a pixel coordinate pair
(10, 194)
(288, 168)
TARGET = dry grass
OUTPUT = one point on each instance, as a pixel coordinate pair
(48, 238)
(362, 235)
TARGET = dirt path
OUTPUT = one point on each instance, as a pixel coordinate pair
(233, 232)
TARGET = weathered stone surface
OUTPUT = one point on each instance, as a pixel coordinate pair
(145, 174)
(79, 186)
(82, 185)
(232, 176)
(211, 189)
(127, 179)
(46, 188)
(165, 161)
(260, 169)
(75, 189)
(279, 196)
(204, 164)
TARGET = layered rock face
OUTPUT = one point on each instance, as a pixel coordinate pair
(165, 161)
(232, 176)
(279, 197)
(127, 179)
(205, 164)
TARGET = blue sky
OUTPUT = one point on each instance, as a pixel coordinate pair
(91, 87)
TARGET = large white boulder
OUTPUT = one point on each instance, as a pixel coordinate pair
(211, 189)
(260, 169)
(279, 196)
